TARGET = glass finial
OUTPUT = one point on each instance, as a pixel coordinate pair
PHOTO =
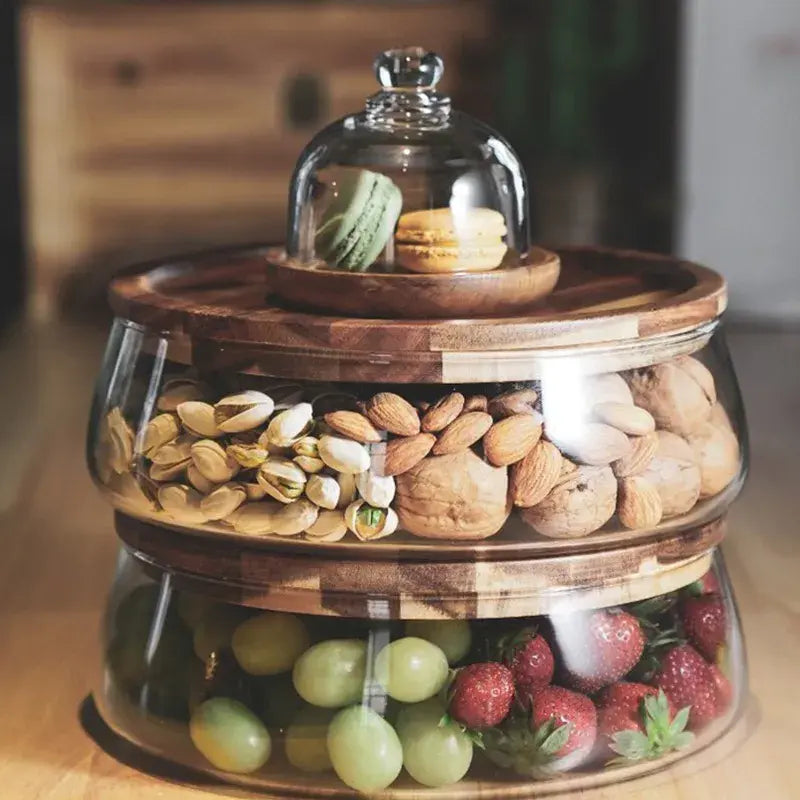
(408, 68)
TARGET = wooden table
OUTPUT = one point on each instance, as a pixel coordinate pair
(57, 554)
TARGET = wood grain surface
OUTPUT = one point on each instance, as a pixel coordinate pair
(217, 308)
(57, 557)
(508, 290)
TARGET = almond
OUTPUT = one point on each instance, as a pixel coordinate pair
(638, 503)
(537, 473)
(518, 401)
(352, 425)
(593, 443)
(625, 417)
(462, 433)
(476, 402)
(400, 455)
(643, 448)
(442, 413)
(390, 412)
(511, 439)
(701, 374)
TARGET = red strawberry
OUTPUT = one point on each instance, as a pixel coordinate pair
(640, 729)
(687, 680)
(704, 623)
(555, 707)
(724, 689)
(708, 584)
(481, 695)
(599, 648)
(531, 662)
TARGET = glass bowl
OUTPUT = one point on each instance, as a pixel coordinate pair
(298, 704)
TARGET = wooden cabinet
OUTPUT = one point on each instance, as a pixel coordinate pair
(156, 128)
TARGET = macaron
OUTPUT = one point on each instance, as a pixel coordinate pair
(447, 240)
(359, 220)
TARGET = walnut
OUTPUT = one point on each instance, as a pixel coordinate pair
(716, 449)
(674, 473)
(454, 496)
(583, 501)
(679, 393)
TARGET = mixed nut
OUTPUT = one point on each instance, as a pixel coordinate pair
(644, 445)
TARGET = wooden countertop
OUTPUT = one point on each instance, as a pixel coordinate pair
(57, 554)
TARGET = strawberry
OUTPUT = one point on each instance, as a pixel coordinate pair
(687, 680)
(599, 648)
(530, 659)
(557, 708)
(481, 695)
(724, 689)
(708, 584)
(646, 730)
(704, 623)
(625, 695)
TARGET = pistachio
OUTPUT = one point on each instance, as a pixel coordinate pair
(165, 473)
(243, 411)
(328, 527)
(368, 522)
(343, 455)
(223, 501)
(254, 491)
(281, 479)
(254, 518)
(324, 491)
(294, 518)
(309, 464)
(347, 489)
(136, 492)
(159, 431)
(212, 462)
(196, 478)
(198, 419)
(174, 452)
(287, 427)
(246, 437)
(177, 391)
(247, 456)
(182, 503)
(306, 446)
(118, 437)
(377, 490)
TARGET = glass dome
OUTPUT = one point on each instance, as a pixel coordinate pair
(320, 706)
(408, 184)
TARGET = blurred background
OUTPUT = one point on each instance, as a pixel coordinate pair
(132, 130)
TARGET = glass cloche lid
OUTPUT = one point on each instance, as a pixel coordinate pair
(408, 184)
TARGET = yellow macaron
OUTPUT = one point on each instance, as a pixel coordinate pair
(448, 240)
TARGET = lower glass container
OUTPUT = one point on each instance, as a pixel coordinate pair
(321, 706)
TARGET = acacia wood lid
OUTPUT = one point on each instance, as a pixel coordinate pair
(620, 308)
(358, 585)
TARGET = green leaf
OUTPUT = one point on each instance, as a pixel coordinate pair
(679, 721)
(631, 745)
(556, 740)
(682, 740)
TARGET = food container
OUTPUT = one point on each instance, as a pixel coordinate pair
(368, 483)
(409, 698)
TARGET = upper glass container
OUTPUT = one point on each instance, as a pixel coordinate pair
(408, 184)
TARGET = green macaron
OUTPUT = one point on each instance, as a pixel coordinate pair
(359, 220)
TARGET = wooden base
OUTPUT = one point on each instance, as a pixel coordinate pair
(360, 586)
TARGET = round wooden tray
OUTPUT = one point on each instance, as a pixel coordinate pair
(617, 309)
(504, 291)
(357, 585)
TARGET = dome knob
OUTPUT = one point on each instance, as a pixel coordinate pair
(408, 68)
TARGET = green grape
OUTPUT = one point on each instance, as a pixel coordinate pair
(411, 669)
(452, 636)
(193, 607)
(307, 740)
(229, 735)
(331, 674)
(269, 643)
(364, 749)
(435, 752)
(215, 629)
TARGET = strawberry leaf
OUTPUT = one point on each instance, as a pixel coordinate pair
(556, 740)
(679, 721)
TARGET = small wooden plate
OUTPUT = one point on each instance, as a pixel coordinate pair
(399, 295)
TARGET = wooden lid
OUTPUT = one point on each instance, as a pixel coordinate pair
(618, 308)
(362, 585)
